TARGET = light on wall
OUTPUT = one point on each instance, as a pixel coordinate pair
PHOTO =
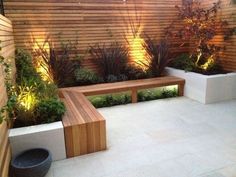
(137, 51)
(40, 63)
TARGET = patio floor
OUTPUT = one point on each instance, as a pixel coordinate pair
(174, 137)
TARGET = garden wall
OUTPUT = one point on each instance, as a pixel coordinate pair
(87, 21)
(8, 50)
(227, 12)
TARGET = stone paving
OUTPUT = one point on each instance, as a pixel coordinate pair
(175, 137)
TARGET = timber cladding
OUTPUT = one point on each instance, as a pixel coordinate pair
(86, 21)
(101, 21)
(7, 51)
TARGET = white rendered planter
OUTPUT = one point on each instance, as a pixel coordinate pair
(49, 136)
(207, 89)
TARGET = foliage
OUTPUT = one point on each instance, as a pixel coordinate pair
(25, 69)
(86, 77)
(57, 63)
(9, 107)
(28, 94)
(112, 78)
(200, 26)
(110, 100)
(50, 110)
(147, 95)
(187, 62)
(134, 73)
(111, 60)
(158, 56)
(125, 98)
(184, 62)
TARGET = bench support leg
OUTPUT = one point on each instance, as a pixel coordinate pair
(181, 89)
(134, 96)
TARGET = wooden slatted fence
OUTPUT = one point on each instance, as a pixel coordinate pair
(87, 21)
(7, 51)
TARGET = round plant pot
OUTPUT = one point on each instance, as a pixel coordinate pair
(31, 163)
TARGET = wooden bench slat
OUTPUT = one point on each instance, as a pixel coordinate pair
(72, 110)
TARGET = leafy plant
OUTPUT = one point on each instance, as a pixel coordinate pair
(187, 62)
(200, 26)
(25, 68)
(50, 110)
(56, 63)
(124, 98)
(86, 76)
(111, 60)
(7, 110)
(112, 78)
(184, 62)
(110, 100)
(150, 94)
(158, 56)
(135, 73)
(28, 93)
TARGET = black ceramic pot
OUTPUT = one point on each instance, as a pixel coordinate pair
(31, 163)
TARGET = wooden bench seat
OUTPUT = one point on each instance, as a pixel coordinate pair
(132, 86)
(84, 126)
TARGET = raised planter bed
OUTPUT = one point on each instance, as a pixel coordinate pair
(207, 89)
(48, 136)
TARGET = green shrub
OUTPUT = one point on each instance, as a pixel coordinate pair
(134, 73)
(49, 110)
(122, 77)
(147, 95)
(169, 93)
(25, 68)
(187, 63)
(124, 98)
(86, 77)
(36, 100)
(110, 100)
(99, 102)
(111, 78)
(184, 62)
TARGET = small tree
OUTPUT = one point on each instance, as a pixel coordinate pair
(200, 26)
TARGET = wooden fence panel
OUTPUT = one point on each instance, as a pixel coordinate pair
(7, 51)
(86, 21)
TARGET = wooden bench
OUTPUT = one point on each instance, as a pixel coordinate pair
(132, 86)
(84, 126)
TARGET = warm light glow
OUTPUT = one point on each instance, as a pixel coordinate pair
(42, 69)
(210, 61)
(27, 98)
(172, 87)
(137, 51)
(41, 66)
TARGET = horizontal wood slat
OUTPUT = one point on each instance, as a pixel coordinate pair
(88, 21)
(91, 21)
(8, 52)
